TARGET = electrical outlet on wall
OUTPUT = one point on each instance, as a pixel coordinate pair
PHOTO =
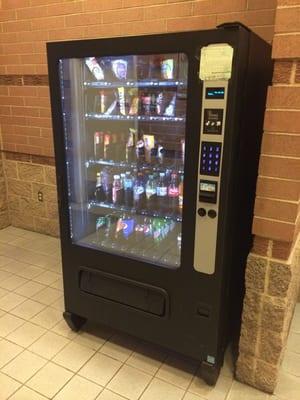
(40, 196)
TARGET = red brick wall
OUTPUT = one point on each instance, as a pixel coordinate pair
(278, 189)
(27, 24)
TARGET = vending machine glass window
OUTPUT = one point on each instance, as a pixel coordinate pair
(124, 129)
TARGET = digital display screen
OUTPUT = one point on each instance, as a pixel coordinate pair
(215, 93)
(208, 187)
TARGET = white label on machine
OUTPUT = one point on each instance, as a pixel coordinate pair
(216, 62)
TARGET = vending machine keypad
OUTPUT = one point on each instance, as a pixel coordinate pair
(210, 158)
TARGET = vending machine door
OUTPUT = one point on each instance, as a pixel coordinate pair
(124, 121)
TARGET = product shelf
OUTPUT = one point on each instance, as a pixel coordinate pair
(138, 165)
(144, 118)
(101, 207)
(149, 83)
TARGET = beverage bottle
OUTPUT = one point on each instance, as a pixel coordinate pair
(122, 187)
(117, 190)
(107, 140)
(161, 192)
(109, 232)
(130, 146)
(99, 192)
(180, 195)
(139, 191)
(107, 185)
(128, 190)
(173, 194)
(150, 192)
(98, 145)
(124, 230)
(100, 228)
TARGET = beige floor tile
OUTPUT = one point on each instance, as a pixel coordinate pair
(30, 271)
(2, 313)
(59, 304)
(15, 231)
(177, 370)
(13, 282)
(192, 396)
(47, 278)
(58, 285)
(4, 275)
(56, 267)
(73, 356)
(13, 267)
(79, 387)
(47, 296)
(228, 366)
(6, 237)
(3, 292)
(24, 366)
(93, 336)
(291, 363)
(129, 382)
(240, 391)
(27, 394)
(26, 334)
(10, 301)
(100, 369)
(28, 309)
(50, 379)
(49, 345)
(295, 325)
(119, 347)
(62, 329)
(47, 318)
(160, 389)
(8, 323)
(8, 386)
(8, 351)
(108, 395)
(30, 289)
(293, 342)
(4, 261)
(217, 392)
(147, 358)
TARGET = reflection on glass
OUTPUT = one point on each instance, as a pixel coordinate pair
(124, 122)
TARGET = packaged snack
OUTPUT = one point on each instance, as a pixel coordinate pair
(146, 103)
(111, 107)
(149, 143)
(95, 68)
(167, 68)
(119, 68)
(159, 103)
(121, 93)
(134, 107)
(170, 109)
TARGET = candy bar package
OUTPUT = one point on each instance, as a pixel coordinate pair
(95, 68)
(121, 100)
(170, 109)
(167, 69)
(119, 68)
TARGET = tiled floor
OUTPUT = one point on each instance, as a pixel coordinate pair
(40, 358)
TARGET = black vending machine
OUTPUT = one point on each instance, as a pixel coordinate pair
(157, 143)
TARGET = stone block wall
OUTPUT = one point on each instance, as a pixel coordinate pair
(26, 177)
(271, 293)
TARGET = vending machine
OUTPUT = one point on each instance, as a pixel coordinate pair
(157, 143)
